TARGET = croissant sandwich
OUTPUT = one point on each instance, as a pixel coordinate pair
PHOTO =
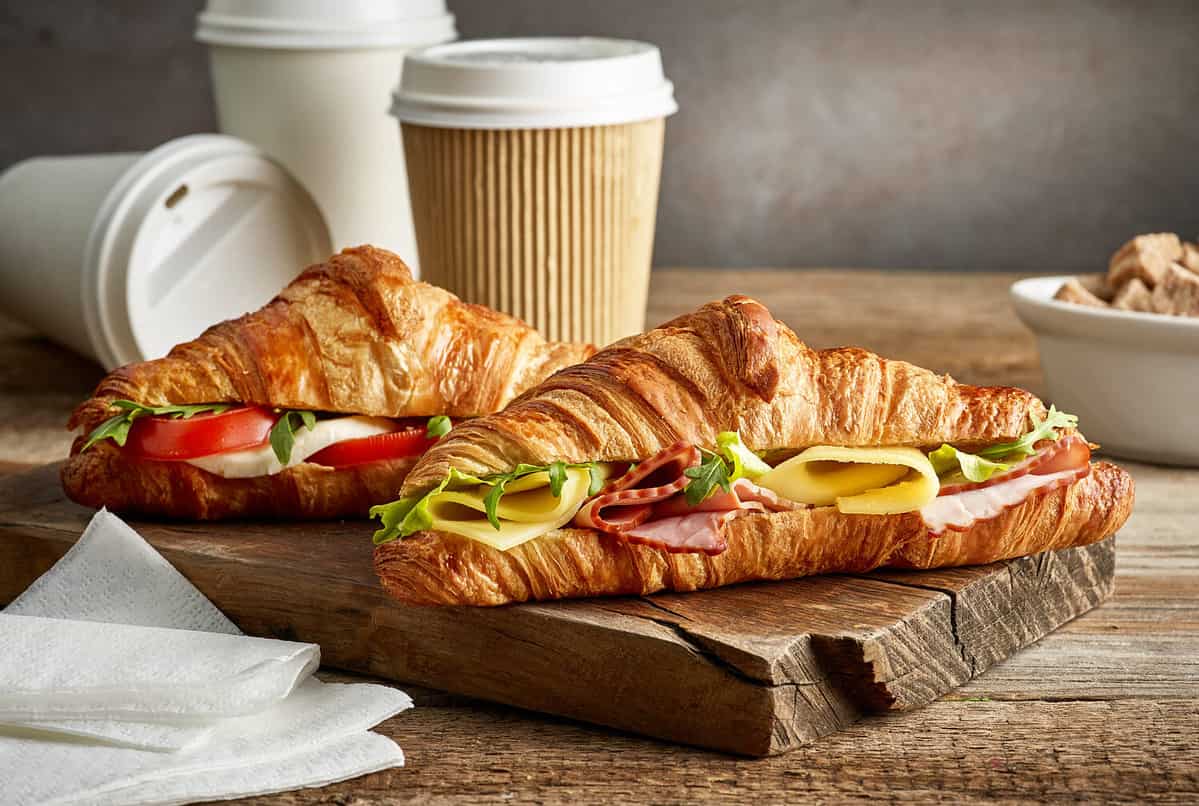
(315, 406)
(719, 449)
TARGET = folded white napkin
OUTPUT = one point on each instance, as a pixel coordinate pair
(121, 682)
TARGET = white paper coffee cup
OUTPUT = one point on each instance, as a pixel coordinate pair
(310, 83)
(534, 167)
(121, 256)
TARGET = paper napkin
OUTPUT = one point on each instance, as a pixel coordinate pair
(125, 684)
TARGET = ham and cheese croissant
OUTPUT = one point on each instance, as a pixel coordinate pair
(303, 409)
(718, 449)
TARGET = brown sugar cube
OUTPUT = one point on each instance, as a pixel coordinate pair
(1145, 257)
(1074, 291)
(1134, 296)
(1178, 292)
(1190, 257)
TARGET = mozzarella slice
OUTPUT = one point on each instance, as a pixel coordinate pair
(860, 481)
(527, 510)
(261, 461)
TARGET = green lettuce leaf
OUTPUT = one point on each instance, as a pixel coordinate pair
(410, 515)
(947, 459)
(1043, 429)
(745, 463)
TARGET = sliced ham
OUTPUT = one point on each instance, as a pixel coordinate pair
(1067, 453)
(962, 510)
(697, 532)
(677, 527)
(647, 505)
(628, 501)
(743, 495)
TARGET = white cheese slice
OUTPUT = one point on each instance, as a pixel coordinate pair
(527, 510)
(964, 508)
(860, 481)
(261, 461)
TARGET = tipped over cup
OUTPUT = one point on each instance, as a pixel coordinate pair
(121, 256)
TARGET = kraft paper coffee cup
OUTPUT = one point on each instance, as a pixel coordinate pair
(121, 256)
(533, 168)
(310, 83)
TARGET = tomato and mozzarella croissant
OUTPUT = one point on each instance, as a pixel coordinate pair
(314, 406)
(718, 449)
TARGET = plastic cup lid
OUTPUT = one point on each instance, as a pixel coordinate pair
(540, 83)
(199, 230)
(325, 24)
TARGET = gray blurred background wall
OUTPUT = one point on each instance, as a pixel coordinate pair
(884, 133)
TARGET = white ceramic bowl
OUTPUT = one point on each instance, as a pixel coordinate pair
(1132, 378)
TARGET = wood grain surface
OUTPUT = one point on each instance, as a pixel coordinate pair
(1104, 709)
(750, 669)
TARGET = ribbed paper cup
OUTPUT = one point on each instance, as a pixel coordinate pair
(538, 205)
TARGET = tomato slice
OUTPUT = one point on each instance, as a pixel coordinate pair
(167, 438)
(1071, 453)
(407, 441)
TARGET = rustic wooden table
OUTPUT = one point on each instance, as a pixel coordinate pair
(1107, 708)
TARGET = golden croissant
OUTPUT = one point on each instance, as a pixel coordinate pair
(327, 376)
(717, 449)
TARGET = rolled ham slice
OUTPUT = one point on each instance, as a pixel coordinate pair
(628, 501)
(646, 505)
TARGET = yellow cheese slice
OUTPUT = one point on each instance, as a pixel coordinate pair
(527, 510)
(860, 481)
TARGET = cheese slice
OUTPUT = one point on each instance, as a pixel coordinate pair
(261, 461)
(860, 481)
(527, 510)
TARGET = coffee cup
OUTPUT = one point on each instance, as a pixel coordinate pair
(121, 256)
(310, 83)
(533, 167)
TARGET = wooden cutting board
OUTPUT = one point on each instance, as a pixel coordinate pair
(752, 669)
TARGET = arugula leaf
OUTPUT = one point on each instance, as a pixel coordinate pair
(114, 428)
(117, 427)
(975, 468)
(438, 427)
(745, 463)
(1043, 429)
(705, 477)
(283, 432)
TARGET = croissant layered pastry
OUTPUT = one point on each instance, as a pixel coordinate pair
(718, 449)
(315, 406)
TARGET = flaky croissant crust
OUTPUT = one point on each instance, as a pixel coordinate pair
(354, 335)
(729, 366)
(436, 568)
(105, 476)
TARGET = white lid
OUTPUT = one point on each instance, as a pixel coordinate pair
(325, 24)
(199, 230)
(544, 83)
